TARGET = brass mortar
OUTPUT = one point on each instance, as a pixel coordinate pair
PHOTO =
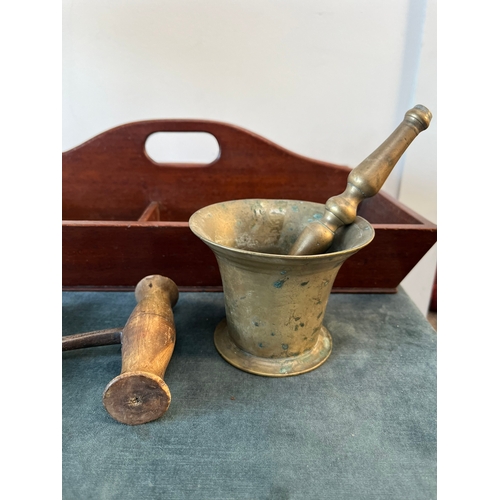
(275, 303)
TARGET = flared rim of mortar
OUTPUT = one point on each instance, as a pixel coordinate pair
(359, 221)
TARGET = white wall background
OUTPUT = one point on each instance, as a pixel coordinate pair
(325, 79)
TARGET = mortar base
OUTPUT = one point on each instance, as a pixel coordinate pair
(272, 367)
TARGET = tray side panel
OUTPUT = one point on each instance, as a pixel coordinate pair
(120, 256)
(386, 261)
(99, 255)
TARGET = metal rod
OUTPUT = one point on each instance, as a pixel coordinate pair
(92, 339)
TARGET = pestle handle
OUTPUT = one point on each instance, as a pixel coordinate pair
(370, 175)
(139, 394)
(364, 181)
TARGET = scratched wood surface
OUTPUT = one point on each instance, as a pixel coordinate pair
(139, 394)
(125, 216)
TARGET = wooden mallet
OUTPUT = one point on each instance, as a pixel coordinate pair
(139, 394)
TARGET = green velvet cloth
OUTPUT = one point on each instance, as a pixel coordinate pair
(361, 426)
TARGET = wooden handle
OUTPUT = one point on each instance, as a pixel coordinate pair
(139, 394)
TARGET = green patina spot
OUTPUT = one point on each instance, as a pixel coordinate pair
(279, 283)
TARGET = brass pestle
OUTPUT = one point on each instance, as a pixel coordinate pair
(364, 181)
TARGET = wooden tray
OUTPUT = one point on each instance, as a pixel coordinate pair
(125, 216)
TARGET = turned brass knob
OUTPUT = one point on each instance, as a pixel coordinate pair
(364, 181)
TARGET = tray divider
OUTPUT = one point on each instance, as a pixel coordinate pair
(152, 212)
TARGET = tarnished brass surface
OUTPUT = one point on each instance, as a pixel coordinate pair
(281, 367)
(274, 302)
(364, 181)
